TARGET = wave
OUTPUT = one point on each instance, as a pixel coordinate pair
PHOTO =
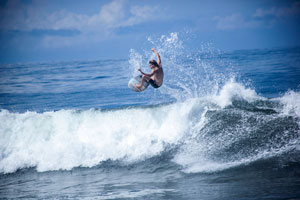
(246, 129)
(215, 132)
(68, 138)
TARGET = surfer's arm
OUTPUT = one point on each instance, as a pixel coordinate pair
(153, 72)
(157, 55)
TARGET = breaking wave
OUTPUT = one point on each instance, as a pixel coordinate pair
(232, 127)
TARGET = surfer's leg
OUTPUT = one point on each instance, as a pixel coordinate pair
(144, 78)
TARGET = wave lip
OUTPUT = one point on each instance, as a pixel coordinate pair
(233, 90)
(291, 103)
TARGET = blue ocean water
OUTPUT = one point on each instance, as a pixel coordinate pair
(224, 125)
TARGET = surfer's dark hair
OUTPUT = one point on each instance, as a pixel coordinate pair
(153, 62)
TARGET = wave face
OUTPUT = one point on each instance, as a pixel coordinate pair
(215, 132)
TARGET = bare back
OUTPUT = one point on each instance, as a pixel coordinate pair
(158, 76)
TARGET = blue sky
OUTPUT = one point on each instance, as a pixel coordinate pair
(54, 30)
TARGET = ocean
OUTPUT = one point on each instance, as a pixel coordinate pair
(224, 125)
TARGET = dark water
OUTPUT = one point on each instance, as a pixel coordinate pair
(225, 125)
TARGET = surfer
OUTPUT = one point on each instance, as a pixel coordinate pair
(156, 77)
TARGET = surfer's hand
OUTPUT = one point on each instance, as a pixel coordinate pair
(140, 70)
(153, 50)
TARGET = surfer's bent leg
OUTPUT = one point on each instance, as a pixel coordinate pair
(144, 78)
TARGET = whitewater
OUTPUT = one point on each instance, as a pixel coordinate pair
(222, 120)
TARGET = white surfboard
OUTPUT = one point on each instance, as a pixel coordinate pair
(137, 80)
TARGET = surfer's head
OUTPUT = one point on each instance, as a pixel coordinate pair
(153, 63)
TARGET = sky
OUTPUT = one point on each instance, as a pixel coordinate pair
(69, 30)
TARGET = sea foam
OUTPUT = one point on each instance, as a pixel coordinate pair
(67, 138)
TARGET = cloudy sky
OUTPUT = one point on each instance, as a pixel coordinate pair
(58, 30)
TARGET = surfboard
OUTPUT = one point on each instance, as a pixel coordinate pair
(137, 80)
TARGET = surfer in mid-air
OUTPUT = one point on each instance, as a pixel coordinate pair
(156, 77)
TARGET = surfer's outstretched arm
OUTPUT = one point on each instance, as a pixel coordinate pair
(158, 56)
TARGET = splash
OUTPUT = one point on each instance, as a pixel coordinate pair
(135, 62)
(233, 90)
(189, 73)
(291, 105)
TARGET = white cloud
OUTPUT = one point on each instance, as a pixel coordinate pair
(261, 17)
(93, 28)
(276, 12)
(110, 15)
(18, 16)
(140, 14)
(62, 19)
(234, 21)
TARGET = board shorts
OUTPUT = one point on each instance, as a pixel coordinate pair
(153, 83)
